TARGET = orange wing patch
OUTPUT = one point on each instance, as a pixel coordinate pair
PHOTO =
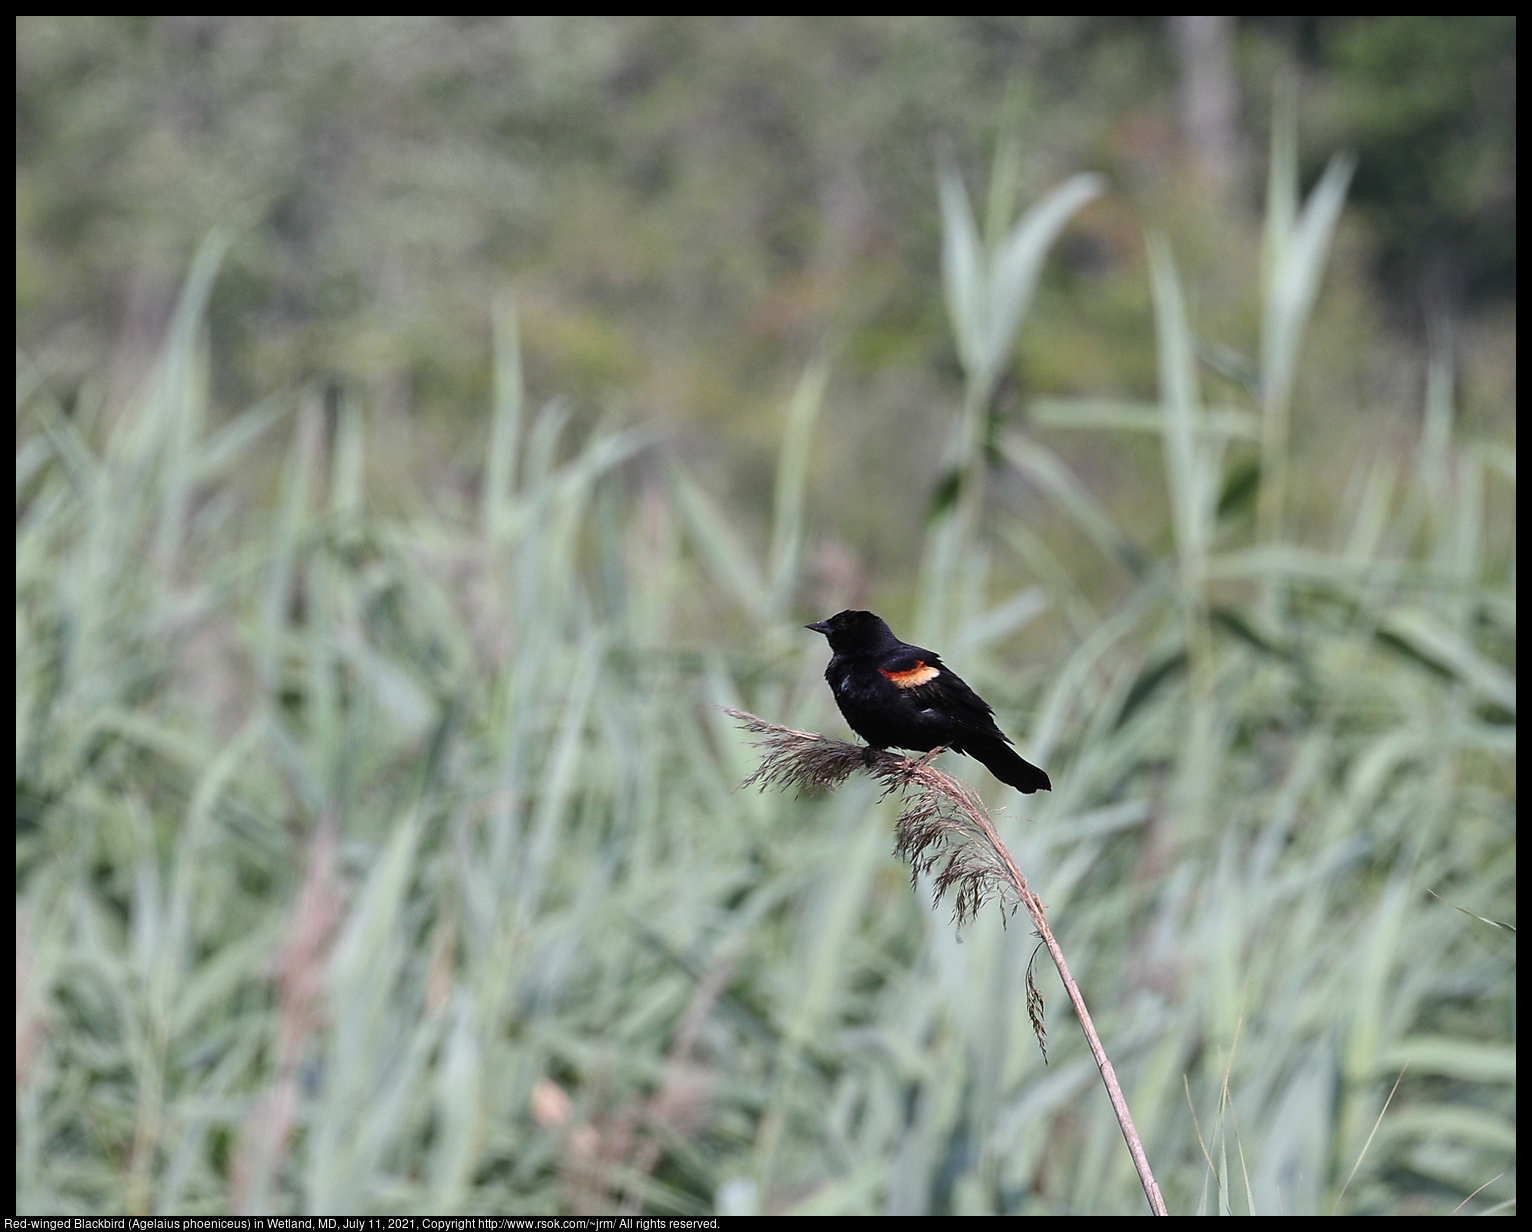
(919, 674)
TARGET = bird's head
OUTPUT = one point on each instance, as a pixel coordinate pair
(852, 631)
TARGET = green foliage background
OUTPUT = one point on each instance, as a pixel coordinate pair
(378, 846)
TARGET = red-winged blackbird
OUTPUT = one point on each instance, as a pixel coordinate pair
(896, 695)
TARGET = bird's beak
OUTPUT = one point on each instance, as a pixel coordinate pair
(822, 626)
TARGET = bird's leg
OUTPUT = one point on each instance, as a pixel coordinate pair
(869, 755)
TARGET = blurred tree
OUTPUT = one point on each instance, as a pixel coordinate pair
(1429, 105)
(688, 207)
(1209, 95)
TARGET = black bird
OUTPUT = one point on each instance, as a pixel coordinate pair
(896, 695)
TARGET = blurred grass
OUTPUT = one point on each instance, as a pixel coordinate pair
(385, 858)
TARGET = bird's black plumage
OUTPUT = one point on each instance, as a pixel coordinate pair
(899, 696)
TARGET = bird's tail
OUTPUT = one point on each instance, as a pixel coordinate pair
(1006, 764)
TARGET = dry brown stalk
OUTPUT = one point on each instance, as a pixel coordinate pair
(943, 828)
(268, 1129)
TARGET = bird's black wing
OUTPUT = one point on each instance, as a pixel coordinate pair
(949, 692)
(913, 668)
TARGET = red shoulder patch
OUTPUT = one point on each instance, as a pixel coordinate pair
(909, 678)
